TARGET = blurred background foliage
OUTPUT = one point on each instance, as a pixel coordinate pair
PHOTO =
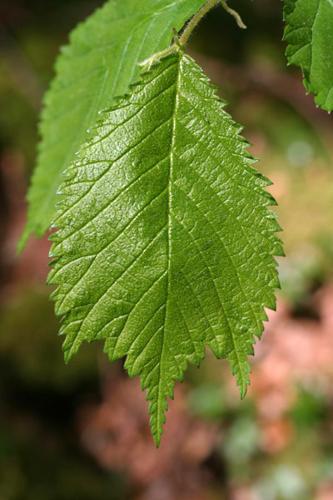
(80, 431)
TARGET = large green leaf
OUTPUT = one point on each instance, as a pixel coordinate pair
(165, 241)
(309, 34)
(100, 63)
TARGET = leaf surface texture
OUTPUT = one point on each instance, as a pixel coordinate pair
(100, 62)
(165, 240)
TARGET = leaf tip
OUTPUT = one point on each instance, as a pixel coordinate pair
(243, 390)
(22, 242)
(157, 436)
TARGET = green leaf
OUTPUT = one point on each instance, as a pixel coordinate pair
(288, 7)
(100, 63)
(165, 242)
(309, 34)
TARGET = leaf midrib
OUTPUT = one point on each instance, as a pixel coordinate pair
(169, 238)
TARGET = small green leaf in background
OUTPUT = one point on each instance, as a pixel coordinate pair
(99, 64)
(309, 35)
(165, 241)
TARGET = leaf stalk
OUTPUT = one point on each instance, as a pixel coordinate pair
(181, 41)
(234, 14)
